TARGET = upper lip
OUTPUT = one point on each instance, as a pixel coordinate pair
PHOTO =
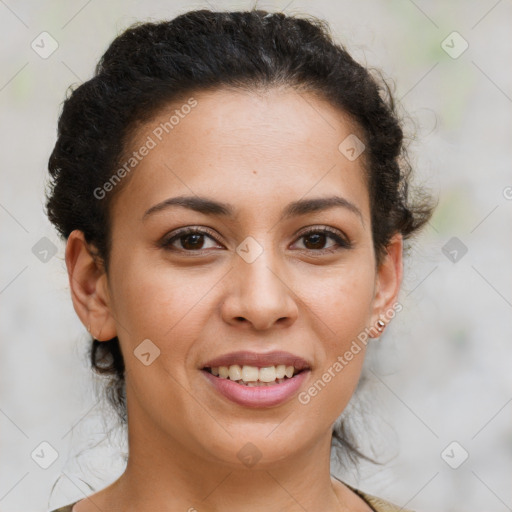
(260, 360)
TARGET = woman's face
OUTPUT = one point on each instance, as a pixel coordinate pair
(258, 275)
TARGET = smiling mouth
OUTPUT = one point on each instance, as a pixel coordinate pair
(253, 376)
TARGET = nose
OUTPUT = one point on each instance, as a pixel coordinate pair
(259, 294)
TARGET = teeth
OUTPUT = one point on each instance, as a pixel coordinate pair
(281, 371)
(259, 384)
(252, 375)
(235, 372)
(268, 374)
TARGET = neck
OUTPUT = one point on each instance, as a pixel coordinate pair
(163, 471)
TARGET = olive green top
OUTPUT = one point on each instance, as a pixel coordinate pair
(376, 504)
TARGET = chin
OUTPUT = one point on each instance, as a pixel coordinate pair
(254, 446)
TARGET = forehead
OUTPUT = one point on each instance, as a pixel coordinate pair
(239, 144)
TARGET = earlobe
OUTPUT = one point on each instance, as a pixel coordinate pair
(387, 286)
(89, 292)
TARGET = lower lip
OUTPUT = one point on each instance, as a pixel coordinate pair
(257, 396)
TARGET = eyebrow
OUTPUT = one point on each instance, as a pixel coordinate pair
(208, 206)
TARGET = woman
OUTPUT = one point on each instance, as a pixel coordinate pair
(234, 196)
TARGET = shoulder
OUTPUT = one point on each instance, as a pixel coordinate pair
(66, 508)
(378, 504)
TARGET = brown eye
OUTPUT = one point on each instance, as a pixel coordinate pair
(187, 240)
(192, 242)
(316, 239)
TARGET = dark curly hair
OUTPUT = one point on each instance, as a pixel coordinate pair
(152, 64)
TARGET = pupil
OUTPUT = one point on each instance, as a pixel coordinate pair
(194, 244)
(318, 236)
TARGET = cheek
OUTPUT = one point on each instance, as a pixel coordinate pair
(341, 303)
(342, 298)
(161, 304)
(168, 307)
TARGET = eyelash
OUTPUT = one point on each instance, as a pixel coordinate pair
(342, 243)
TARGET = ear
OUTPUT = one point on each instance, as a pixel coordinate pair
(387, 285)
(89, 288)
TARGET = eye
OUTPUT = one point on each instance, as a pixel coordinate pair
(188, 240)
(315, 239)
(192, 239)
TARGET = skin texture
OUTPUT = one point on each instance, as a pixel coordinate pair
(257, 152)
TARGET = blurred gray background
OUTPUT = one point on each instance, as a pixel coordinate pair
(442, 370)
